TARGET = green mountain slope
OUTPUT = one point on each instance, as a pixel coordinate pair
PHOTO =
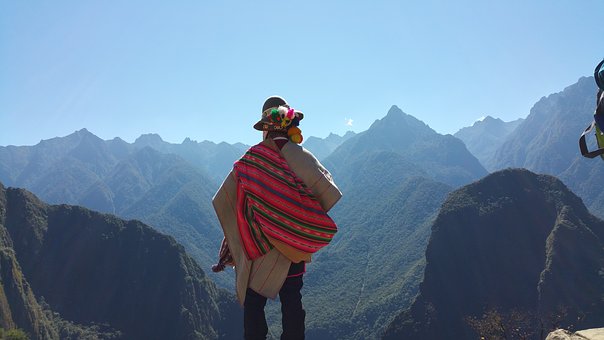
(352, 292)
(18, 304)
(392, 178)
(384, 223)
(170, 194)
(513, 241)
(96, 268)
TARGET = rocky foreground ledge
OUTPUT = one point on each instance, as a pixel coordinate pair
(588, 334)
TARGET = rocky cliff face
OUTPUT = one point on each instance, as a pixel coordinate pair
(96, 268)
(18, 304)
(513, 241)
(546, 142)
(587, 334)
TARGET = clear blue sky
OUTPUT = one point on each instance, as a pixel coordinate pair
(202, 69)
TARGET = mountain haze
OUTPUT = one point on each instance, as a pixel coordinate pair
(322, 148)
(216, 160)
(485, 136)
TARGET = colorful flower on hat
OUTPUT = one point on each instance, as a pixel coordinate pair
(290, 114)
(275, 115)
(282, 116)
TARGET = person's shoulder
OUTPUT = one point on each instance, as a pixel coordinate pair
(295, 153)
(297, 149)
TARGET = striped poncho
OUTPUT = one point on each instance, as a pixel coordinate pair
(272, 202)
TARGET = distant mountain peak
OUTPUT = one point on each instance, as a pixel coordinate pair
(87, 135)
(397, 121)
(82, 133)
(413, 139)
(73, 138)
(489, 119)
(149, 139)
(395, 111)
(188, 141)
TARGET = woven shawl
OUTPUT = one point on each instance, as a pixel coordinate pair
(272, 201)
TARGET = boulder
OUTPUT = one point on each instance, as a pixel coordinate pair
(588, 334)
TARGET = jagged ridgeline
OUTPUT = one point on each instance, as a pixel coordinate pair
(514, 245)
(485, 136)
(68, 272)
(547, 140)
(168, 186)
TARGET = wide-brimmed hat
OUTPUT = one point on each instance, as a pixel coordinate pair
(277, 115)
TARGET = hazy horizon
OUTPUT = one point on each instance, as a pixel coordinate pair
(131, 141)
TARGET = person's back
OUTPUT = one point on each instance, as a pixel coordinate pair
(273, 211)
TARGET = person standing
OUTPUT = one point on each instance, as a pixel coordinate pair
(273, 211)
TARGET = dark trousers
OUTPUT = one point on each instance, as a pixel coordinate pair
(292, 312)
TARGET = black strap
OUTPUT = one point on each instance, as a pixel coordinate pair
(597, 75)
(583, 144)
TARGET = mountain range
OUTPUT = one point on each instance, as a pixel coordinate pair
(513, 242)
(149, 180)
(70, 273)
(444, 157)
(395, 177)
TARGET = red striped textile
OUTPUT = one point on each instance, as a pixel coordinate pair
(272, 201)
